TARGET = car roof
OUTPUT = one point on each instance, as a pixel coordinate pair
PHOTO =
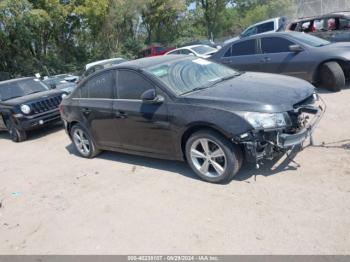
(265, 21)
(102, 62)
(141, 63)
(282, 33)
(16, 80)
(335, 14)
(188, 47)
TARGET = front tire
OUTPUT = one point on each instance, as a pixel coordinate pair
(332, 76)
(83, 142)
(16, 134)
(212, 157)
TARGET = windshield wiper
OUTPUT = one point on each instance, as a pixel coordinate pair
(34, 92)
(222, 79)
(195, 89)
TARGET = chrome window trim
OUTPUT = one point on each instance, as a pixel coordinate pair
(106, 99)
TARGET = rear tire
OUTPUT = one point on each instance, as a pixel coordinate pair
(332, 76)
(16, 134)
(212, 157)
(83, 142)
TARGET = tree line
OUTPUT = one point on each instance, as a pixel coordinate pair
(56, 36)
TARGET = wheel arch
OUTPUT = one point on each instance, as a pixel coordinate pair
(195, 127)
(343, 64)
(71, 124)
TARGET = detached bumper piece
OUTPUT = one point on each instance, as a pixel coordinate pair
(286, 141)
(267, 144)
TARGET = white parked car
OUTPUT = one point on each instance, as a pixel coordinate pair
(99, 65)
(202, 51)
(271, 25)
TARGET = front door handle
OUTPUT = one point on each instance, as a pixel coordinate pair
(265, 59)
(121, 114)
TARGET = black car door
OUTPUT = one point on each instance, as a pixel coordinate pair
(96, 107)
(242, 55)
(140, 126)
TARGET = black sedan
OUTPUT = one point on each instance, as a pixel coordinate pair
(188, 108)
(296, 54)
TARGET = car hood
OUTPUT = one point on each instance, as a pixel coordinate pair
(66, 87)
(255, 92)
(344, 45)
(335, 48)
(32, 97)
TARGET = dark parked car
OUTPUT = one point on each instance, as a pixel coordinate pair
(334, 27)
(25, 104)
(183, 107)
(296, 54)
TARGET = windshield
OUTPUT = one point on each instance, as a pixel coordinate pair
(21, 88)
(186, 75)
(203, 49)
(310, 39)
(53, 81)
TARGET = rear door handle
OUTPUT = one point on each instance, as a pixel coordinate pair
(226, 61)
(120, 114)
(86, 110)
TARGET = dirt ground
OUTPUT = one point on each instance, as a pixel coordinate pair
(54, 202)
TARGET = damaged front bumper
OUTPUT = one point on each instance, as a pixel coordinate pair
(268, 144)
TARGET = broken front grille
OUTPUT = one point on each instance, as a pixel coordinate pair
(46, 105)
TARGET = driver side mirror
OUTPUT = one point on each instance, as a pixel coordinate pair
(53, 86)
(150, 96)
(295, 48)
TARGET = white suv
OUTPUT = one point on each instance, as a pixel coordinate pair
(267, 26)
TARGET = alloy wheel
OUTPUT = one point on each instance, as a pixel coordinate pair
(81, 142)
(208, 157)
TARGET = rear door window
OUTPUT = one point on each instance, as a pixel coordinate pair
(186, 52)
(250, 31)
(266, 27)
(176, 52)
(319, 25)
(344, 24)
(270, 45)
(293, 27)
(331, 24)
(100, 86)
(242, 48)
(306, 26)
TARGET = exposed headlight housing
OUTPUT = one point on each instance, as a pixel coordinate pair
(267, 120)
(26, 109)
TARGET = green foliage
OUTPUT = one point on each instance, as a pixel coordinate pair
(161, 19)
(55, 36)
